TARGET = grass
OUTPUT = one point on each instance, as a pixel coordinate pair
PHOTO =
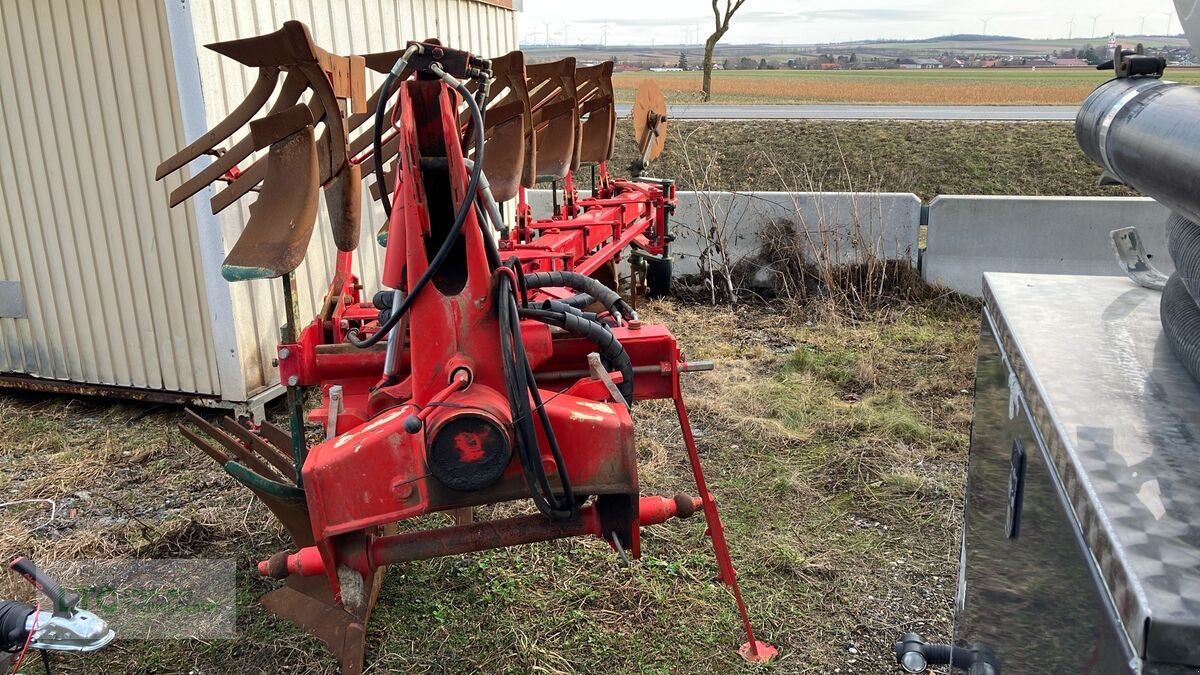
(925, 158)
(976, 86)
(836, 448)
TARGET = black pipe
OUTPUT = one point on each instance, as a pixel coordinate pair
(1143, 132)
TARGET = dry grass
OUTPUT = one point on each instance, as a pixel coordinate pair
(836, 447)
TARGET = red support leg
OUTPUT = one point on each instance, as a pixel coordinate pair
(753, 650)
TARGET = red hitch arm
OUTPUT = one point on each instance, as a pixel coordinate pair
(480, 536)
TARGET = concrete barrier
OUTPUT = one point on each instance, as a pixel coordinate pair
(836, 224)
(970, 235)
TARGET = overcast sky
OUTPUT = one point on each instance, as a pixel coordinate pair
(809, 21)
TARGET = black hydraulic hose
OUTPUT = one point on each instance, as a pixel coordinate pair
(582, 283)
(380, 112)
(522, 389)
(579, 301)
(455, 230)
(611, 351)
(489, 243)
(560, 306)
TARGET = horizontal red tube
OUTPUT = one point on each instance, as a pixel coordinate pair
(479, 536)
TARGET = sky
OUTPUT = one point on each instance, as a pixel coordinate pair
(808, 21)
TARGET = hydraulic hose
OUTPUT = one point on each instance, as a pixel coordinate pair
(460, 217)
(611, 351)
(582, 283)
(525, 400)
(380, 112)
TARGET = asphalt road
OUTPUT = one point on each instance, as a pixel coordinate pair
(699, 111)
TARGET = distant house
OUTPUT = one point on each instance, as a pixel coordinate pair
(1069, 63)
(626, 68)
(921, 64)
(986, 63)
(831, 66)
(1038, 63)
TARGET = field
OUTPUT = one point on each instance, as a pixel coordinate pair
(978, 86)
(836, 447)
(926, 158)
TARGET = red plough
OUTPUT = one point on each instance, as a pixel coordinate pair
(499, 365)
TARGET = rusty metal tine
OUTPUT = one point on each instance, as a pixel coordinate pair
(218, 456)
(235, 446)
(253, 175)
(364, 140)
(289, 94)
(389, 149)
(343, 200)
(247, 181)
(261, 446)
(389, 178)
(335, 159)
(277, 437)
(259, 94)
(290, 45)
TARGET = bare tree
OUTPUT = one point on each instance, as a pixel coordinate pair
(721, 21)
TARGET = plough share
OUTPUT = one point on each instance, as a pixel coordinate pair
(499, 363)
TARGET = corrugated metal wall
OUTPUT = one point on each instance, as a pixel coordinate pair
(344, 27)
(111, 279)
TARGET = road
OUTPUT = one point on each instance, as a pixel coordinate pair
(995, 113)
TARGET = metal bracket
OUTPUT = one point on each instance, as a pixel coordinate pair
(1134, 260)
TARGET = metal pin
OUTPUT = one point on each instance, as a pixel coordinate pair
(620, 550)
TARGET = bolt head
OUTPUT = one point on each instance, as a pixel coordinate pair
(284, 352)
(402, 489)
(293, 381)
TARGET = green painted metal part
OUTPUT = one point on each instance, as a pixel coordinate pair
(256, 482)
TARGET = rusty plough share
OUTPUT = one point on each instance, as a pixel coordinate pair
(496, 367)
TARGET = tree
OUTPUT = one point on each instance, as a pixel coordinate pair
(762, 64)
(683, 61)
(720, 27)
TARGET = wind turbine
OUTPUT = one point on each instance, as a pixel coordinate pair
(1170, 20)
(986, 19)
(1142, 30)
(1071, 28)
(604, 34)
(1094, 20)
